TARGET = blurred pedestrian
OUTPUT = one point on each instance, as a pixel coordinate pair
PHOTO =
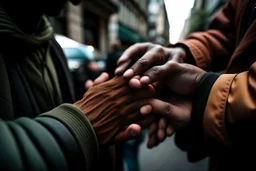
(113, 56)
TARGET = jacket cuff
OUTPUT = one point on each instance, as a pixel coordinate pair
(214, 120)
(73, 155)
(80, 128)
(201, 95)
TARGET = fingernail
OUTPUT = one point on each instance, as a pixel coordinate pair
(129, 73)
(134, 83)
(145, 80)
(122, 59)
(118, 62)
(117, 70)
(147, 109)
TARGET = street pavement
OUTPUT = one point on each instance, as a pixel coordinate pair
(167, 157)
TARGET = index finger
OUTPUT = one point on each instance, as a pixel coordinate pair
(159, 73)
(138, 48)
(142, 64)
(162, 109)
(126, 59)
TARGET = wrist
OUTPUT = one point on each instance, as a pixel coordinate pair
(188, 57)
(177, 54)
(182, 54)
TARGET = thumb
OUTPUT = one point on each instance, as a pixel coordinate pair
(177, 112)
(159, 107)
(131, 132)
(157, 73)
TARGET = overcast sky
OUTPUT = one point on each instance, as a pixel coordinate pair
(177, 11)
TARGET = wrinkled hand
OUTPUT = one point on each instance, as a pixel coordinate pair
(145, 55)
(133, 128)
(112, 107)
(176, 111)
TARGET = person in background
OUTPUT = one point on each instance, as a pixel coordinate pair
(42, 127)
(212, 77)
(113, 56)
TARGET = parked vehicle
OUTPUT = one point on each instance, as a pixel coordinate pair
(85, 62)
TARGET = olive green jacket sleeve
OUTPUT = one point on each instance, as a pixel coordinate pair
(61, 139)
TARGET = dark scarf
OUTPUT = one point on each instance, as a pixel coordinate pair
(8, 29)
(33, 56)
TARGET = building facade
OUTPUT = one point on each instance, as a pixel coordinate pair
(129, 25)
(201, 15)
(100, 23)
(96, 16)
(87, 23)
(158, 22)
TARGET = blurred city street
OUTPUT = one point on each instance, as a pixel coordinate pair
(96, 33)
(167, 157)
(86, 84)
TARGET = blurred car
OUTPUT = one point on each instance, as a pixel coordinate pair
(85, 62)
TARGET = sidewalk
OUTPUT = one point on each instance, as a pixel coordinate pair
(167, 157)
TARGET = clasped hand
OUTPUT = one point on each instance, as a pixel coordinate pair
(155, 91)
(164, 68)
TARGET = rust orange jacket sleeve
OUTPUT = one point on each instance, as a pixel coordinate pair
(217, 43)
(232, 103)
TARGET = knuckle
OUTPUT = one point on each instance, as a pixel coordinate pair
(137, 44)
(143, 61)
(155, 71)
(172, 64)
(159, 49)
(161, 53)
(149, 44)
(167, 109)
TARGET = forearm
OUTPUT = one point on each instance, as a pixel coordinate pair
(215, 45)
(61, 139)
